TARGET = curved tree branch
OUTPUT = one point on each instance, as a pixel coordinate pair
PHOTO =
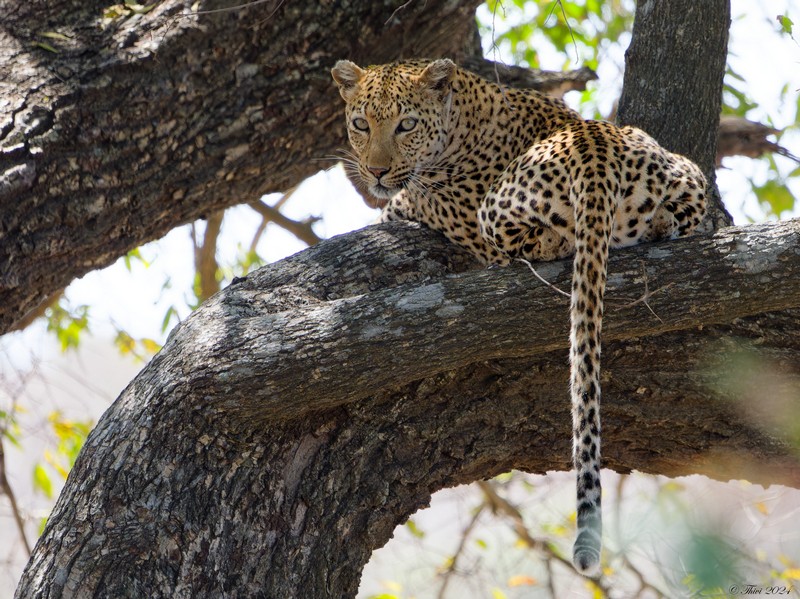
(298, 413)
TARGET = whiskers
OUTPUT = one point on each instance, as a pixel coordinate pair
(348, 159)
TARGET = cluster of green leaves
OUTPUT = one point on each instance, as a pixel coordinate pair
(67, 322)
(69, 436)
(774, 194)
(579, 30)
(583, 30)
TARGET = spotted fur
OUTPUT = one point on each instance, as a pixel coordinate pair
(511, 174)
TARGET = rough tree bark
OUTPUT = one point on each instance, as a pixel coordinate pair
(300, 414)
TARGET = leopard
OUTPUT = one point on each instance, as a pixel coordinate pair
(514, 174)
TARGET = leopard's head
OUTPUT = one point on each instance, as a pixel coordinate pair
(397, 119)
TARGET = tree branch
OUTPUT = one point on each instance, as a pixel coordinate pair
(205, 257)
(301, 230)
(322, 399)
(555, 83)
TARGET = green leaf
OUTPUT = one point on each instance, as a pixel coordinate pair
(775, 196)
(42, 482)
(414, 529)
(797, 112)
(171, 311)
(46, 46)
(125, 343)
(54, 35)
(12, 438)
(67, 324)
(786, 24)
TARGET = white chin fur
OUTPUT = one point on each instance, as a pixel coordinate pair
(381, 192)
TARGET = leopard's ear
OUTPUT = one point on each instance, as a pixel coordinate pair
(438, 76)
(347, 74)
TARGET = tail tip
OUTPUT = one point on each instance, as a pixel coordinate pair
(586, 561)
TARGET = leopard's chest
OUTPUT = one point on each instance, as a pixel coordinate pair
(450, 202)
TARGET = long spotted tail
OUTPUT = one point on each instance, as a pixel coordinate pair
(593, 195)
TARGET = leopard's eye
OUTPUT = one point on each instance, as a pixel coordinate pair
(360, 124)
(407, 124)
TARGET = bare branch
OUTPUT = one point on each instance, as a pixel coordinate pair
(205, 257)
(5, 488)
(300, 229)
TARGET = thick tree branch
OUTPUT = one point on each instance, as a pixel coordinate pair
(453, 318)
(554, 83)
(316, 411)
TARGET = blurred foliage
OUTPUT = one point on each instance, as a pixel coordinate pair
(759, 384)
(580, 30)
(660, 542)
(69, 436)
(141, 349)
(67, 323)
(583, 31)
(9, 425)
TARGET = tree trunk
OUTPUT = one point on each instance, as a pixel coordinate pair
(690, 53)
(294, 419)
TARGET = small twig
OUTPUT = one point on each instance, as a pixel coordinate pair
(542, 279)
(287, 195)
(447, 574)
(257, 235)
(647, 295)
(37, 311)
(300, 229)
(399, 8)
(6, 489)
(205, 257)
(500, 505)
(569, 27)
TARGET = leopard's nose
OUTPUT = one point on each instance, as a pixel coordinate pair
(378, 171)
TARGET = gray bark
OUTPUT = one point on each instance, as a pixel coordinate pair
(294, 419)
(685, 42)
(142, 123)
